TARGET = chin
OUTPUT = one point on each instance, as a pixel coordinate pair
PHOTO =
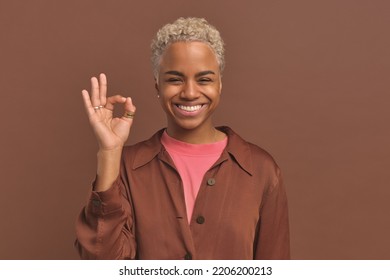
(188, 124)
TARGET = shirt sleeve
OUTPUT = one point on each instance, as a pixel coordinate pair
(273, 239)
(105, 228)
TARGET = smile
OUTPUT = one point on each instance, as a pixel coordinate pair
(190, 108)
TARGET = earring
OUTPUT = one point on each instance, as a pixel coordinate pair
(158, 95)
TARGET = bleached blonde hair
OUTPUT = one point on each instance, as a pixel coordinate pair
(187, 29)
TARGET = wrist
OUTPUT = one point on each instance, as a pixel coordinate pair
(108, 165)
(109, 152)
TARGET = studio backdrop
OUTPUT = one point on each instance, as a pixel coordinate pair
(306, 80)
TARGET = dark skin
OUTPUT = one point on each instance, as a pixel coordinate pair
(189, 85)
(188, 78)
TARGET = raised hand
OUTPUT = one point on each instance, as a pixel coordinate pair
(111, 133)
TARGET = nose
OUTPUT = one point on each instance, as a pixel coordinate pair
(190, 90)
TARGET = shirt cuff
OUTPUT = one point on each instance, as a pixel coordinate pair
(106, 202)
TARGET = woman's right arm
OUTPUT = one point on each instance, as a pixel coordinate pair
(111, 133)
(104, 227)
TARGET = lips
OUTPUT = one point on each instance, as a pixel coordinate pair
(189, 110)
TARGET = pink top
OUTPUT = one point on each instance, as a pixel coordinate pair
(192, 161)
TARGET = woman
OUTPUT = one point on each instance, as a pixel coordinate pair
(192, 191)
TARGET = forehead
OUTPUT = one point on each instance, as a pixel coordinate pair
(197, 55)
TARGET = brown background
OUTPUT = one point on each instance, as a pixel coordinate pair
(307, 80)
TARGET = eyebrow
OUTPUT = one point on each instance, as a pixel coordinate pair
(180, 74)
(176, 73)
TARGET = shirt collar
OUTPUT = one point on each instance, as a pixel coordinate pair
(236, 147)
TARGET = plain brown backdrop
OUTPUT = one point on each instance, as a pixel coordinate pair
(306, 80)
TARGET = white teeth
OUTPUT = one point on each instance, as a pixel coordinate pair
(190, 108)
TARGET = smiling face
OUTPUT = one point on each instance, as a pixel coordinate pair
(189, 85)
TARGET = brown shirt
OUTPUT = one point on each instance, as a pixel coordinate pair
(240, 211)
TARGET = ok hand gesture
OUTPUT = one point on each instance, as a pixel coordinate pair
(111, 133)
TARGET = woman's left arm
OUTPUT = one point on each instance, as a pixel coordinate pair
(273, 239)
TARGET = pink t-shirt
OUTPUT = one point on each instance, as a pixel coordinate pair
(192, 161)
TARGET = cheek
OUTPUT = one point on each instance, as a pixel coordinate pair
(165, 99)
(216, 91)
(171, 93)
(164, 104)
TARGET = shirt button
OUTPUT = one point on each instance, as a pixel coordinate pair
(96, 202)
(188, 256)
(200, 220)
(211, 182)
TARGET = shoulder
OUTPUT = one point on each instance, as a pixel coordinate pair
(255, 159)
(245, 149)
(266, 167)
(261, 156)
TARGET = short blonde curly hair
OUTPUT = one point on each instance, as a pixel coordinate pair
(187, 29)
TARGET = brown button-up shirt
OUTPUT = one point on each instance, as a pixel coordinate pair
(240, 211)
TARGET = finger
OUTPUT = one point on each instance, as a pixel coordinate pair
(95, 99)
(129, 110)
(103, 88)
(87, 103)
(112, 100)
(129, 106)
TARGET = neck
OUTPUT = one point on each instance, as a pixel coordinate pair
(195, 136)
